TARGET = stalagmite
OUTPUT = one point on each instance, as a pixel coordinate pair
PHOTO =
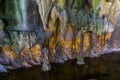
(45, 60)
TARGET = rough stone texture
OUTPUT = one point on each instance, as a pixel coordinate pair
(111, 9)
(33, 13)
(68, 33)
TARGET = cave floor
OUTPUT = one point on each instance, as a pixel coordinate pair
(106, 67)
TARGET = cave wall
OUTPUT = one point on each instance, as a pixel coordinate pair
(65, 29)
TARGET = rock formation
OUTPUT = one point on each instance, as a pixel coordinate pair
(54, 31)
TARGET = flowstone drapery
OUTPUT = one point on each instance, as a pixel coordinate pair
(45, 7)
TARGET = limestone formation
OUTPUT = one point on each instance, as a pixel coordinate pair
(3, 39)
(45, 7)
(54, 31)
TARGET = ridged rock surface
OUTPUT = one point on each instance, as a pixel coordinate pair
(57, 31)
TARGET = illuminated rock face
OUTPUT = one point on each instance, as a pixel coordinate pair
(66, 30)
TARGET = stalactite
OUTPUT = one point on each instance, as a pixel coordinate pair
(45, 7)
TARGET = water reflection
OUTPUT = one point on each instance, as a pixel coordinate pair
(106, 67)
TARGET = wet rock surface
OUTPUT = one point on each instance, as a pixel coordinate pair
(106, 67)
